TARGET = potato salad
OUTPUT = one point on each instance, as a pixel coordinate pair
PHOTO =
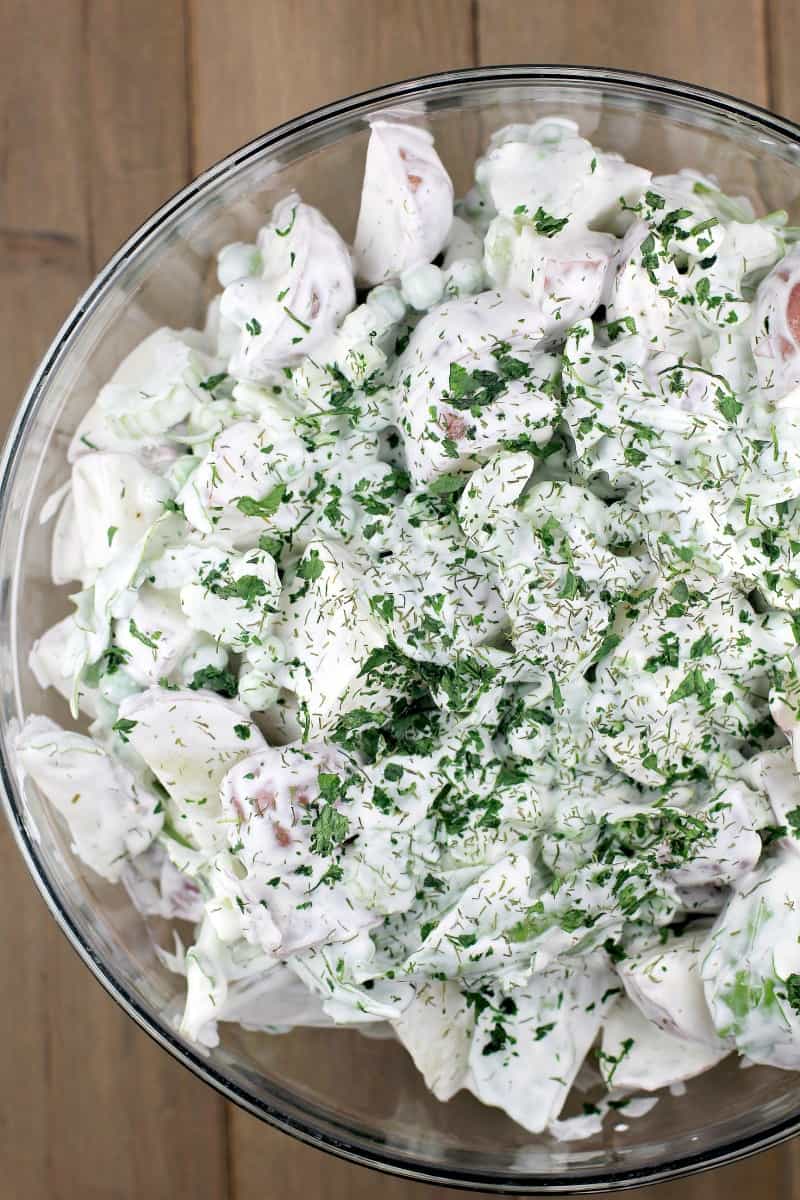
(434, 632)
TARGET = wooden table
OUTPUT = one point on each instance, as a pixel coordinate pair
(108, 106)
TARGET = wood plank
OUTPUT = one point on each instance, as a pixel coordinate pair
(713, 42)
(93, 1108)
(42, 269)
(764, 1174)
(140, 142)
(781, 43)
(283, 58)
(42, 214)
(277, 60)
(259, 1154)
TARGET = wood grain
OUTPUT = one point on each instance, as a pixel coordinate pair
(91, 1107)
(279, 59)
(297, 1171)
(782, 27)
(43, 218)
(137, 81)
(713, 42)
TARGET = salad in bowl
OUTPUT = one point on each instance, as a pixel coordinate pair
(435, 623)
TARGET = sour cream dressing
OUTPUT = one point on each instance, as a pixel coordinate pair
(437, 653)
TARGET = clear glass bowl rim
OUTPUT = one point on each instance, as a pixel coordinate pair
(421, 87)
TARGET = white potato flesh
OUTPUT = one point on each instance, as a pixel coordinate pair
(775, 340)
(326, 627)
(437, 1030)
(116, 501)
(636, 1053)
(57, 657)
(189, 740)
(66, 556)
(548, 269)
(155, 636)
(111, 817)
(290, 818)
(555, 1019)
(406, 203)
(234, 598)
(152, 390)
(548, 168)
(751, 968)
(443, 431)
(158, 888)
(665, 983)
(775, 773)
(246, 462)
(302, 291)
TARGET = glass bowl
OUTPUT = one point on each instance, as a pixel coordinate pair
(359, 1098)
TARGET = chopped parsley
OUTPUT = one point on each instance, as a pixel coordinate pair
(149, 640)
(123, 726)
(213, 381)
(329, 829)
(215, 679)
(266, 507)
(528, 622)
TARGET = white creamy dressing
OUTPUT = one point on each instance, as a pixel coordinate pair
(300, 286)
(439, 652)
